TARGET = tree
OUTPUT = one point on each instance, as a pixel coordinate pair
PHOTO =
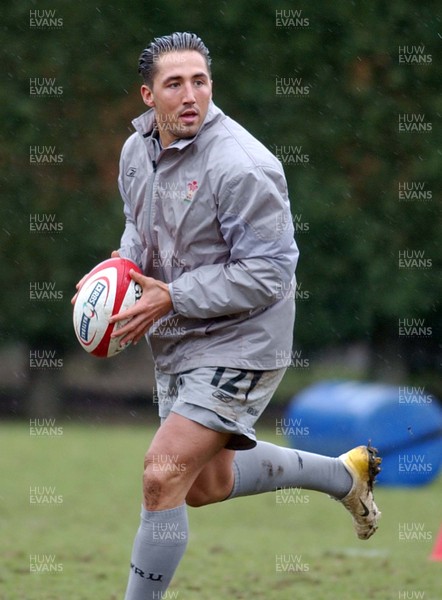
(323, 87)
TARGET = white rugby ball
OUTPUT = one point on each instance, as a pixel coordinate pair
(107, 290)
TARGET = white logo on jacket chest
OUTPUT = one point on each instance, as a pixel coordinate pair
(192, 186)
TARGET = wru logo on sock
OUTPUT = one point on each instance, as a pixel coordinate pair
(151, 576)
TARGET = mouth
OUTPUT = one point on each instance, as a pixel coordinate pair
(189, 116)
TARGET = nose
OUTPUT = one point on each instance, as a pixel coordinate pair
(189, 95)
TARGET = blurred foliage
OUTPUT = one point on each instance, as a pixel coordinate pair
(347, 124)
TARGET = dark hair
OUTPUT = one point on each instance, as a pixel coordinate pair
(147, 63)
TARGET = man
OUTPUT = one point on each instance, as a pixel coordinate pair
(208, 221)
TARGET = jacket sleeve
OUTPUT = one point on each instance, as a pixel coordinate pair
(256, 224)
(130, 245)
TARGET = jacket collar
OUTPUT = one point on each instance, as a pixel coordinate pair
(145, 126)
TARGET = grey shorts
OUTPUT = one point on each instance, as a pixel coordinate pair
(221, 398)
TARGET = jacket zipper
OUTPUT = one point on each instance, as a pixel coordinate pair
(150, 203)
(149, 216)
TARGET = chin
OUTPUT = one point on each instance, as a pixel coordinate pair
(188, 132)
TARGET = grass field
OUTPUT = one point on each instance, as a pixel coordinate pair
(250, 548)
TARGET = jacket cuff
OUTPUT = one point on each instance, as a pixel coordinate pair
(172, 296)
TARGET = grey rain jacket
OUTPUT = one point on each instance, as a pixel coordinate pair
(210, 216)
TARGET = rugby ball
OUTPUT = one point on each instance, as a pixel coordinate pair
(107, 290)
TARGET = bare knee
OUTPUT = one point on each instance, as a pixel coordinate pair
(164, 482)
(153, 490)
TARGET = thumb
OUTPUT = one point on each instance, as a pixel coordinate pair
(138, 277)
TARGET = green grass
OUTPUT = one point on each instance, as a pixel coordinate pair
(233, 545)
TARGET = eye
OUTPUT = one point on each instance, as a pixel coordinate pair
(173, 85)
(199, 83)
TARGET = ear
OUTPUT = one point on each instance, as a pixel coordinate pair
(147, 95)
